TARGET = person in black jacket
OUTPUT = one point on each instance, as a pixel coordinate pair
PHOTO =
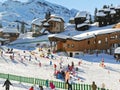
(7, 83)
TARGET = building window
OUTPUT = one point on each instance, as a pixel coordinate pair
(106, 40)
(112, 37)
(99, 41)
(76, 53)
(72, 45)
(68, 45)
(116, 36)
(88, 42)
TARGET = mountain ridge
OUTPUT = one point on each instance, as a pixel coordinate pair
(12, 10)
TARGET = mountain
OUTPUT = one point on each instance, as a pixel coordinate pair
(12, 10)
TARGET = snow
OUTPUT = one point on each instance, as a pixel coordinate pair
(86, 35)
(100, 14)
(81, 25)
(10, 30)
(54, 19)
(117, 50)
(37, 21)
(81, 14)
(89, 70)
(59, 36)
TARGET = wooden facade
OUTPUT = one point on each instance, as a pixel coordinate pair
(81, 19)
(109, 16)
(56, 25)
(10, 34)
(105, 42)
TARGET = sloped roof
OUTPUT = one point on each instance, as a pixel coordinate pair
(58, 36)
(81, 25)
(82, 14)
(93, 34)
(85, 35)
(112, 12)
(37, 21)
(55, 19)
(10, 30)
(100, 14)
(117, 50)
(2, 39)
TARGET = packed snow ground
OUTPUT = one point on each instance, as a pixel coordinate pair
(88, 71)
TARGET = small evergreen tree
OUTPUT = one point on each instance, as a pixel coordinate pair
(90, 19)
(105, 6)
(0, 25)
(95, 14)
(22, 27)
(47, 15)
(18, 28)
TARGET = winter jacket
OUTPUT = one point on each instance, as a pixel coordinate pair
(94, 86)
(31, 88)
(52, 86)
(7, 84)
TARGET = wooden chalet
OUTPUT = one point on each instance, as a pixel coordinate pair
(108, 16)
(37, 25)
(80, 21)
(90, 42)
(56, 24)
(82, 27)
(9, 33)
(72, 21)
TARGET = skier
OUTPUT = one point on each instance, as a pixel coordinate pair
(7, 83)
(55, 66)
(39, 64)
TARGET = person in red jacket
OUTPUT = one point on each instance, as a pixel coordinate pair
(31, 88)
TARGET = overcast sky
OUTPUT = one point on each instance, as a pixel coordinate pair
(82, 5)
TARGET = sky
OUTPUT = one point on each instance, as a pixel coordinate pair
(82, 5)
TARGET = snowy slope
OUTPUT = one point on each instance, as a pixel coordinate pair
(89, 70)
(12, 10)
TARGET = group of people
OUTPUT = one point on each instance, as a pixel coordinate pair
(50, 84)
(32, 88)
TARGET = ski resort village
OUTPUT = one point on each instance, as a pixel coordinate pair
(45, 46)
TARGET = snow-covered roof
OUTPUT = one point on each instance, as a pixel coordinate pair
(46, 24)
(81, 25)
(93, 34)
(118, 7)
(55, 19)
(10, 30)
(81, 14)
(37, 21)
(112, 12)
(72, 18)
(2, 39)
(100, 14)
(117, 50)
(107, 9)
(58, 36)
(85, 35)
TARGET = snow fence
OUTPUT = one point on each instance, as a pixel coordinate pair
(42, 82)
